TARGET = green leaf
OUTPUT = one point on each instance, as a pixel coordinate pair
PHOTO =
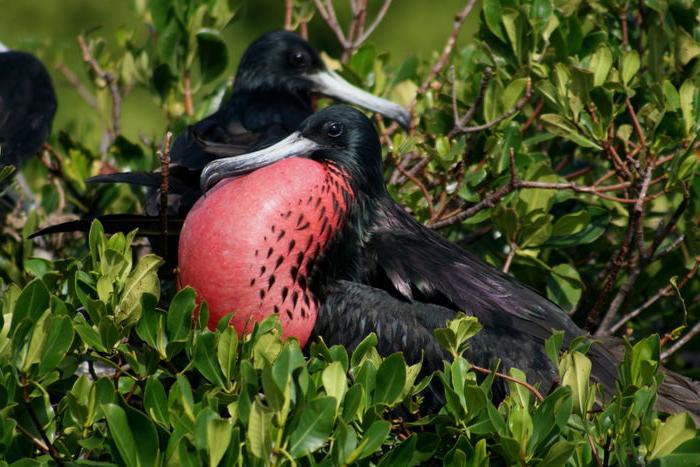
(687, 99)
(560, 126)
(363, 348)
(577, 373)
(373, 439)
(630, 66)
(142, 280)
(687, 454)
(592, 230)
(600, 64)
(156, 401)
(314, 426)
(227, 352)
(391, 377)
(335, 382)
(59, 337)
(558, 454)
(205, 358)
(258, 436)
(179, 317)
(121, 433)
(31, 303)
(212, 435)
(570, 224)
(564, 286)
(212, 54)
(493, 14)
(688, 48)
(402, 454)
(669, 435)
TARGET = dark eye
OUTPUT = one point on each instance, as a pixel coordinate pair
(298, 59)
(334, 129)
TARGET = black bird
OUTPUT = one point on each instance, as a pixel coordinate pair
(367, 267)
(274, 90)
(27, 106)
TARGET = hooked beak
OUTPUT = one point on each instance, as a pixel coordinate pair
(294, 145)
(332, 85)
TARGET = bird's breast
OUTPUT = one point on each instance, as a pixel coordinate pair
(250, 244)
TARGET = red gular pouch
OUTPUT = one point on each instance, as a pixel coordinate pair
(249, 245)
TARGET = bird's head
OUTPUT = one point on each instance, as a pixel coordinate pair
(338, 135)
(282, 60)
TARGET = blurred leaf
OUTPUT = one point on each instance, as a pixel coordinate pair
(672, 433)
(212, 54)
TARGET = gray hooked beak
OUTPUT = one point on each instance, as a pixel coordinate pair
(332, 85)
(294, 145)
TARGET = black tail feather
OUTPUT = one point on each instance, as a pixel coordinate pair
(112, 223)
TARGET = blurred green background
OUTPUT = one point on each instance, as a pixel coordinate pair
(49, 28)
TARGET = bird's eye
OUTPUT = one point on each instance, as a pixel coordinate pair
(298, 59)
(334, 129)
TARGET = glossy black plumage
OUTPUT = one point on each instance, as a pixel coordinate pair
(388, 274)
(27, 106)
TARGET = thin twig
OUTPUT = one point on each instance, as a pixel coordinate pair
(509, 258)
(328, 14)
(634, 238)
(694, 331)
(462, 122)
(371, 28)
(35, 441)
(506, 377)
(635, 122)
(51, 449)
(663, 292)
(288, 9)
(509, 113)
(164, 158)
(421, 186)
(112, 84)
(187, 94)
(74, 81)
(446, 50)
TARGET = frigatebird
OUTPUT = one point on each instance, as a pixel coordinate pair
(306, 229)
(274, 90)
(27, 106)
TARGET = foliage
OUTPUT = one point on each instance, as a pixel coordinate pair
(93, 371)
(559, 144)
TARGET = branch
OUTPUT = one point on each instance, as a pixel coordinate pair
(509, 258)
(664, 292)
(459, 128)
(331, 20)
(515, 183)
(164, 158)
(421, 186)
(506, 377)
(461, 123)
(112, 85)
(633, 239)
(50, 448)
(74, 81)
(681, 342)
(377, 19)
(288, 8)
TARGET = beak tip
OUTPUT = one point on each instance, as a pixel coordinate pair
(404, 119)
